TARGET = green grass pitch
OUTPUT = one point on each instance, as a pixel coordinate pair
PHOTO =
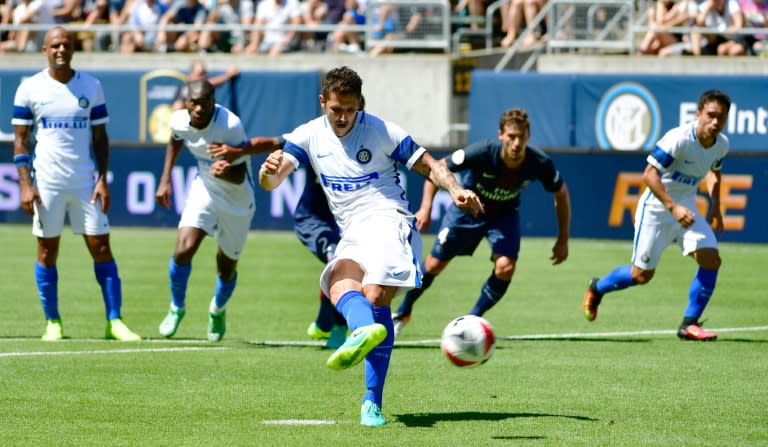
(554, 380)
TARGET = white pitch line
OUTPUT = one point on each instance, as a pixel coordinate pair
(107, 351)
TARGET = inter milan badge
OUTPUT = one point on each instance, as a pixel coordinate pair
(83, 102)
(363, 155)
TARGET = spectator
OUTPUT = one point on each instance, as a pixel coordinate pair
(349, 41)
(181, 12)
(662, 15)
(247, 17)
(143, 13)
(198, 72)
(274, 14)
(721, 15)
(473, 8)
(756, 16)
(313, 12)
(221, 12)
(27, 12)
(517, 13)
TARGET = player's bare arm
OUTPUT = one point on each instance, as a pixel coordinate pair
(652, 178)
(274, 170)
(563, 214)
(100, 142)
(228, 172)
(164, 188)
(441, 176)
(257, 145)
(713, 180)
(23, 160)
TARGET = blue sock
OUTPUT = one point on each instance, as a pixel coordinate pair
(377, 361)
(493, 290)
(47, 287)
(224, 290)
(619, 278)
(356, 309)
(111, 287)
(179, 276)
(406, 307)
(326, 315)
(702, 287)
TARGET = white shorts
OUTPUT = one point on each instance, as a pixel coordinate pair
(387, 248)
(230, 231)
(656, 229)
(84, 217)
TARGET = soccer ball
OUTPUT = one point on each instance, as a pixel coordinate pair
(468, 340)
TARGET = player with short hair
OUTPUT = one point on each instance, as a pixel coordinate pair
(69, 114)
(667, 214)
(497, 169)
(220, 202)
(356, 156)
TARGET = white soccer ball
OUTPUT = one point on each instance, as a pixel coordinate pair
(468, 340)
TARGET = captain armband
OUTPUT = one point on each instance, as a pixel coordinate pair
(22, 160)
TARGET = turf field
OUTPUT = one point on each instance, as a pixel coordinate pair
(554, 380)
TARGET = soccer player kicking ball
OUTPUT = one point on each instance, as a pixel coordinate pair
(666, 213)
(355, 155)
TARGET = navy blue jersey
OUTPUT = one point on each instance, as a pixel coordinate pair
(313, 221)
(499, 186)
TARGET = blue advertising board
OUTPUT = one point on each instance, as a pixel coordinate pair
(614, 112)
(139, 102)
(604, 187)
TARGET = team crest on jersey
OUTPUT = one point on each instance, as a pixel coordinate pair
(364, 155)
(628, 118)
(83, 102)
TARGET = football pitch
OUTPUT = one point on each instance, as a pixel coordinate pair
(554, 379)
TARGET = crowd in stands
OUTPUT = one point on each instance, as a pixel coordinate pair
(151, 33)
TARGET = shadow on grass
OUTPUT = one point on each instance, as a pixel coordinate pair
(430, 419)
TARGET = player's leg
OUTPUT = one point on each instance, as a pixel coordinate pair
(47, 225)
(700, 242)
(495, 286)
(88, 218)
(47, 279)
(655, 229)
(179, 269)
(231, 234)
(377, 360)
(504, 238)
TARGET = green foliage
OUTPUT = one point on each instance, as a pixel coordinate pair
(554, 379)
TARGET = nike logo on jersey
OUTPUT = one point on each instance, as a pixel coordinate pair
(398, 274)
(327, 154)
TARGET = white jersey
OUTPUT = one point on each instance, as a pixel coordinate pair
(683, 161)
(358, 172)
(62, 116)
(225, 127)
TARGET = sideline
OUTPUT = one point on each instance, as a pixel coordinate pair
(108, 351)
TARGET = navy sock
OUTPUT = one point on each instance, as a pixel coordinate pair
(702, 287)
(356, 309)
(493, 290)
(326, 315)
(406, 307)
(111, 287)
(179, 276)
(224, 290)
(619, 278)
(377, 361)
(47, 279)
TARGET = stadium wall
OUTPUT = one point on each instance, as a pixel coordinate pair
(604, 188)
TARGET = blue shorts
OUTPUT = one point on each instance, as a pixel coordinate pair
(319, 236)
(461, 233)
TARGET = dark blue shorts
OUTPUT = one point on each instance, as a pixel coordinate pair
(318, 236)
(460, 234)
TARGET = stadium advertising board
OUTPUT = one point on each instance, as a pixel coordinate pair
(604, 187)
(614, 112)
